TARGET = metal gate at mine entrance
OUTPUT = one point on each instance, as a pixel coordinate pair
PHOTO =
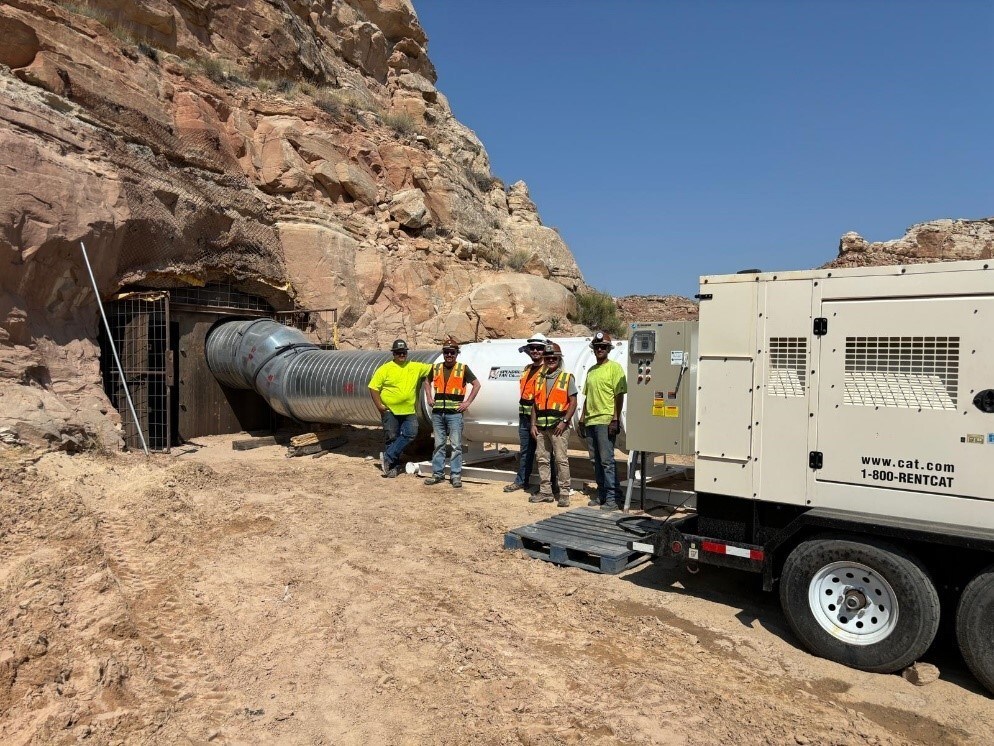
(139, 328)
(160, 336)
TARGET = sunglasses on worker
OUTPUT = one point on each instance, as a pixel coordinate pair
(550, 357)
(449, 353)
(400, 353)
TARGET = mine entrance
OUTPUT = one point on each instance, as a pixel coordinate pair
(139, 327)
(203, 406)
(161, 336)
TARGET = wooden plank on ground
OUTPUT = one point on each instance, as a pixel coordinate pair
(249, 443)
(316, 436)
(318, 447)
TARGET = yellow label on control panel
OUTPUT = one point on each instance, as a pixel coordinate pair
(658, 407)
(672, 412)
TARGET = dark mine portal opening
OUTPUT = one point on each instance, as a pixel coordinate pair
(160, 336)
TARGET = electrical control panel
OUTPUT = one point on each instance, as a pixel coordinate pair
(662, 387)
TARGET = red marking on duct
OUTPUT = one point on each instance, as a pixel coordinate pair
(348, 388)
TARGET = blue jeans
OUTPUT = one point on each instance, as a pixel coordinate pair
(400, 430)
(447, 426)
(601, 446)
(526, 459)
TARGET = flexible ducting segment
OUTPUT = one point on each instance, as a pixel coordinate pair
(295, 377)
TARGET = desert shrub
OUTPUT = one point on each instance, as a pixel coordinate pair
(264, 84)
(518, 259)
(483, 182)
(149, 51)
(341, 102)
(213, 69)
(555, 323)
(598, 311)
(329, 105)
(307, 88)
(492, 256)
(236, 77)
(285, 86)
(83, 9)
(400, 122)
(124, 34)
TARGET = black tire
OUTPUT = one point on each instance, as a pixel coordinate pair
(974, 623)
(917, 613)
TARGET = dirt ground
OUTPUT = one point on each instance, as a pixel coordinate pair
(242, 597)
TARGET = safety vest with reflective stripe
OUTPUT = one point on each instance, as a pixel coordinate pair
(449, 392)
(552, 401)
(529, 375)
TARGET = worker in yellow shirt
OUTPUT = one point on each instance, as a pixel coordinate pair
(394, 389)
(603, 399)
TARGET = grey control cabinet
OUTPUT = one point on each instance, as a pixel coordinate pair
(662, 387)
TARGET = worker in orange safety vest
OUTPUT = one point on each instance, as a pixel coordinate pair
(445, 393)
(554, 406)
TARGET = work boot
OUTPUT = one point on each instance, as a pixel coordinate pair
(610, 505)
(457, 481)
(594, 503)
(392, 472)
(563, 501)
(434, 479)
(513, 487)
(540, 498)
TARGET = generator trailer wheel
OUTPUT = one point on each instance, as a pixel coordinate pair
(859, 602)
(974, 623)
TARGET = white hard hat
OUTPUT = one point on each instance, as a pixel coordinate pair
(535, 339)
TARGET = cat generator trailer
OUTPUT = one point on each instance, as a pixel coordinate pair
(843, 441)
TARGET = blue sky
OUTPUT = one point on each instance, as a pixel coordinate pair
(670, 139)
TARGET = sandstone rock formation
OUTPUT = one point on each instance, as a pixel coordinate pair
(299, 150)
(934, 241)
(657, 308)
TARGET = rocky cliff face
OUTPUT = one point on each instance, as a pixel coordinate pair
(935, 241)
(298, 149)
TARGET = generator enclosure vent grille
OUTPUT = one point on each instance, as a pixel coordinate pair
(907, 372)
(786, 375)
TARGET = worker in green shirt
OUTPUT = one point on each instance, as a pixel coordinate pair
(394, 389)
(603, 398)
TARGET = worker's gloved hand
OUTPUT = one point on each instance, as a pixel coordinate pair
(613, 428)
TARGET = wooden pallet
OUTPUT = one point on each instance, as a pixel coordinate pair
(586, 537)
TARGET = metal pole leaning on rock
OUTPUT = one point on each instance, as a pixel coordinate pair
(113, 349)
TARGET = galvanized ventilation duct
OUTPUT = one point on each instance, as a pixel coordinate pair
(295, 377)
